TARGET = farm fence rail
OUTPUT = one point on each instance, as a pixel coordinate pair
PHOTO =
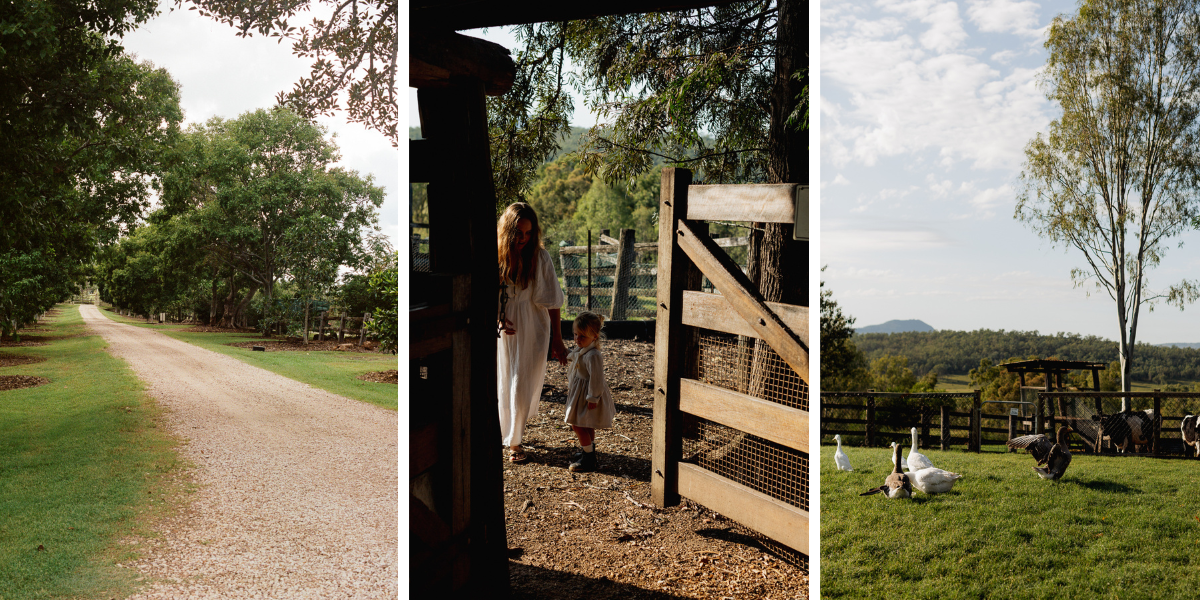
(731, 390)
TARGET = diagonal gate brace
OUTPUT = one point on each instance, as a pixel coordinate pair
(740, 293)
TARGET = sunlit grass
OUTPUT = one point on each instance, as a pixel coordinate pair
(82, 466)
(1114, 527)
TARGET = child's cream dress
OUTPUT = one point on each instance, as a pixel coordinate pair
(585, 383)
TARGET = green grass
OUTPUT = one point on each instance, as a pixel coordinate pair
(1114, 527)
(335, 372)
(82, 467)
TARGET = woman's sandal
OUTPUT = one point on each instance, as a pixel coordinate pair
(517, 456)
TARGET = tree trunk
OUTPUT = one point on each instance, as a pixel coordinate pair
(229, 308)
(778, 263)
(240, 312)
(306, 307)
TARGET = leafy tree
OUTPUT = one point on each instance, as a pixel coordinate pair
(386, 321)
(843, 366)
(82, 129)
(663, 78)
(1117, 174)
(353, 45)
(263, 194)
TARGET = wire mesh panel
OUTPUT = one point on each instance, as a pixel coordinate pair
(640, 282)
(751, 367)
(732, 363)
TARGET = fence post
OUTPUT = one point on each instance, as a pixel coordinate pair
(976, 417)
(620, 291)
(925, 426)
(1156, 425)
(945, 423)
(670, 344)
(870, 436)
(321, 327)
(1012, 428)
(1038, 424)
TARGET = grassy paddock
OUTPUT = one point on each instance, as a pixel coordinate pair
(335, 372)
(1114, 527)
(83, 469)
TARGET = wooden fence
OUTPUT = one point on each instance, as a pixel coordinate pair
(685, 254)
(621, 278)
(1088, 411)
(881, 418)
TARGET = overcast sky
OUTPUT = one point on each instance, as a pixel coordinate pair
(223, 75)
(926, 107)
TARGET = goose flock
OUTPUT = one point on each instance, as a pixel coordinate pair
(921, 474)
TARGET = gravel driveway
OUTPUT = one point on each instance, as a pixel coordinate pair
(297, 487)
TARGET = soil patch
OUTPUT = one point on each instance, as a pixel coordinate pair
(597, 535)
(17, 382)
(12, 360)
(207, 329)
(392, 376)
(299, 346)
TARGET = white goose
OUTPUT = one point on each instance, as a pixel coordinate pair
(933, 480)
(903, 462)
(916, 460)
(897, 484)
(839, 458)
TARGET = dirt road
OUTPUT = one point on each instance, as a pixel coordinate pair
(297, 487)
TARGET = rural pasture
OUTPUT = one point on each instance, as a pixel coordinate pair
(1113, 527)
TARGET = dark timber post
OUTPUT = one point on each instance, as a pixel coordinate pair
(462, 242)
(870, 437)
(1012, 428)
(670, 351)
(945, 423)
(321, 327)
(620, 293)
(1155, 424)
(976, 417)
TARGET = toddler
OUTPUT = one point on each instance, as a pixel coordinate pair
(589, 401)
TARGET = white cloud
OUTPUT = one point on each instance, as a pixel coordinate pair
(1005, 16)
(892, 96)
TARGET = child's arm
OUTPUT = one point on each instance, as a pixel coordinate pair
(596, 385)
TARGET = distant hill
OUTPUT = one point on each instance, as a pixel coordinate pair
(1173, 345)
(896, 326)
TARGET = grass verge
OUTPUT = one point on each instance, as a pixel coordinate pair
(335, 372)
(84, 469)
(1113, 527)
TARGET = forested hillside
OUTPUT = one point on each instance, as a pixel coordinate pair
(960, 351)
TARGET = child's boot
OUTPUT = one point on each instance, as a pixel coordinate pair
(586, 462)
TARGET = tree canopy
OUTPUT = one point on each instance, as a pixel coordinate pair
(83, 129)
(843, 365)
(353, 45)
(1117, 174)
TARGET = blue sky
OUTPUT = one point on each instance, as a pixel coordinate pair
(926, 107)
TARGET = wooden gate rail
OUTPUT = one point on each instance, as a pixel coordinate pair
(923, 422)
(686, 252)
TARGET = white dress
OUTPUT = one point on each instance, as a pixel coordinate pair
(521, 358)
(585, 383)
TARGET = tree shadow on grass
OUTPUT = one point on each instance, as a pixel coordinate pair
(536, 583)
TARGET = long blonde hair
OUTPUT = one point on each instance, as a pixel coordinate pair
(519, 268)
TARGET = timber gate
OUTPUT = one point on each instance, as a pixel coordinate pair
(731, 370)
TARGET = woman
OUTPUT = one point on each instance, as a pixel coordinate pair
(531, 322)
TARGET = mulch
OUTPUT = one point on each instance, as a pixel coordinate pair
(299, 346)
(598, 535)
(16, 382)
(392, 376)
(12, 360)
